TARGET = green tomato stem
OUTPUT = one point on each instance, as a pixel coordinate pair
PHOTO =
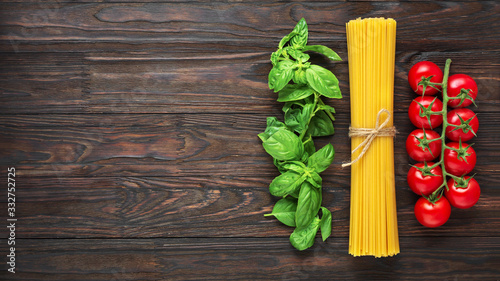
(444, 113)
(434, 83)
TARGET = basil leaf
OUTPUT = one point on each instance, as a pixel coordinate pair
(321, 125)
(323, 81)
(298, 118)
(298, 103)
(305, 114)
(286, 183)
(284, 211)
(280, 75)
(295, 166)
(314, 179)
(273, 125)
(294, 193)
(287, 38)
(326, 107)
(299, 76)
(285, 166)
(275, 56)
(324, 50)
(300, 40)
(294, 92)
(284, 145)
(322, 159)
(292, 119)
(298, 55)
(326, 223)
(309, 147)
(303, 238)
(287, 106)
(308, 204)
(279, 164)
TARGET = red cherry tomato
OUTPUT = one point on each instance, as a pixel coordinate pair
(459, 164)
(418, 153)
(432, 214)
(415, 110)
(424, 185)
(458, 82)
(425, 69)
(469, 129)
(463, 197)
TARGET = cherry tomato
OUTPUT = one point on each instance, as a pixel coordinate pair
(456, 83)
(424, 185)
(463, 197)
(415, 110)
(459, 164)
(425, 69)
(432, 214)
(418, 153)
(469, 129)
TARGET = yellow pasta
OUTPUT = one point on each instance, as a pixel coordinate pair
(373, 220)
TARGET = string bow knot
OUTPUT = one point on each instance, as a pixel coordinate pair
(371, 133)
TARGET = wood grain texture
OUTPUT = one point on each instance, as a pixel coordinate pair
(133, 127)
(192, 73)
(183, 26)
(202, 83)
(132, 207)
(181, 145)
(252, 259)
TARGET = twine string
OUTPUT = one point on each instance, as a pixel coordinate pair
(370, 134)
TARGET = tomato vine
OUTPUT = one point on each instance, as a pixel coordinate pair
(456, 159)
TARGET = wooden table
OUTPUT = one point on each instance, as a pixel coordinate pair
(132, 128)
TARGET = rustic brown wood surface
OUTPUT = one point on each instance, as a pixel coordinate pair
(133, 127)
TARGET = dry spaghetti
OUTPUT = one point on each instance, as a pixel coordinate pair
(373, 220)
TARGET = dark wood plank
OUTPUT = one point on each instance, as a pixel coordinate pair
(138, 207)
(179, 145)
(133, 130)
(182, 26)
(436, 258)
(196, 82)
(36, 2)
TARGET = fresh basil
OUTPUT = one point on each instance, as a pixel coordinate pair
(298, 55)
(299, 76)
(323, 81)
(284, 145)
(301, 85)
(280, 75)
(308, 204)
(314, 179)
(286, 183)
(298, 118)
(273, 125)
(326, 108)
(303, 238)
(300, 40)
(322, 158)
(326, 223)
(321, 125)
(294, 92)
(295, 166)
(284, 210)
(329, 53)
(287, 38)
(309, 147)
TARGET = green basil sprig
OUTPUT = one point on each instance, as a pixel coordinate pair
(301, 86)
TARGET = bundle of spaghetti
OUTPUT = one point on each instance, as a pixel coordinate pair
(373, 220)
